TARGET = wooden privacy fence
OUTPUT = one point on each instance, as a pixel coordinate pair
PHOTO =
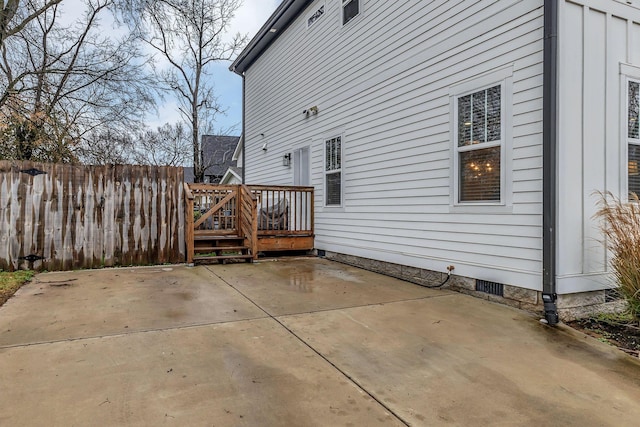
(61, 217)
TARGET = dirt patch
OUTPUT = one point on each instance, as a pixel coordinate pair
(617, 331)
(10, 282)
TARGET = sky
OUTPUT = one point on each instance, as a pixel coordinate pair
(248, 19)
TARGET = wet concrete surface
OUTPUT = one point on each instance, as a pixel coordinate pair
(292, 343)
(91, 303)
(316, 285)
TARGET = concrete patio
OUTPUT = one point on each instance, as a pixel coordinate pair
(292, 343)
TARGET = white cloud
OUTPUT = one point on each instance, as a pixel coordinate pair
(252, 15)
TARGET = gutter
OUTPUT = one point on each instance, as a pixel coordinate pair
(244, 135)
(277, 23)
(549, 164)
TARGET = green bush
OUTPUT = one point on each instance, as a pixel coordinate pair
(621, 229)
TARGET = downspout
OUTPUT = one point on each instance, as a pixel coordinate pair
(549, 165)
(244, 135)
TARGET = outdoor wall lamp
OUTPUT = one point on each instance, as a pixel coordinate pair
(286, 159)
(312, 111)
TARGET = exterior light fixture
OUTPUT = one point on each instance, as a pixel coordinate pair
(286, 160)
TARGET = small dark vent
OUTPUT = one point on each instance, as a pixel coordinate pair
(611, 295)
(492, 288)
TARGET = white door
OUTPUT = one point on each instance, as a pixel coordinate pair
(301, 177)
(301, 167)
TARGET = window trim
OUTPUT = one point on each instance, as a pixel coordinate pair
(325, 172)
(628, 73)
(343, 3)
(504, 78)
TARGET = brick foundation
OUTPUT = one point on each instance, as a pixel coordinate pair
(570, 306)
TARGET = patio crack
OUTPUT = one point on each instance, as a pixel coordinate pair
(319, 354)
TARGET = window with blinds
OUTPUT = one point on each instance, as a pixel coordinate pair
(479, 140)
(633, 136)
(333, 172)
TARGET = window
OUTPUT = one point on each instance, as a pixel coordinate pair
(315, 16)
(350, 9)
(633, 136)
(479, 140)
(333, 172)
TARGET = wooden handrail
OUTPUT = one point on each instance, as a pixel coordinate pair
(215, 209)
(187, 191)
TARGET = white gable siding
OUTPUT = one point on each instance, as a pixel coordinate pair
(596, 37)
(382, 82)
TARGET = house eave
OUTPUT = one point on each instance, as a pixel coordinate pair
(227, 176)
(283, 16)
(238, 151)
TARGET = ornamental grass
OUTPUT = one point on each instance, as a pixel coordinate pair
(621, 229)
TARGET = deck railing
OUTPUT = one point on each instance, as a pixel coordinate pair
(251, 212)
(284, 210)
(248, 220)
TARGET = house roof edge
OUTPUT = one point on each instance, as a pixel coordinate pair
(281, 18)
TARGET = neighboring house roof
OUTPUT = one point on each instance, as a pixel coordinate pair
(283, 16)
(217, 151)
(230, 174)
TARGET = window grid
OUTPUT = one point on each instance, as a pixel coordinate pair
(333, 171)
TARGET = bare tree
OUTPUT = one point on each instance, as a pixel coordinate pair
(107, 147)
(168, 145)
(189, 36)
(72, 84)
(15, 15)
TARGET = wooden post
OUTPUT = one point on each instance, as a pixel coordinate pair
(188, 233)
(254, 228)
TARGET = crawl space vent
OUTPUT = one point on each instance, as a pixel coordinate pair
(492, 288)
(611, 295)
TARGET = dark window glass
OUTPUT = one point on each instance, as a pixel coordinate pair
(479, 101)
(333, 184)
(480, 175)
(464, 121)
(633, 169)
(350, 10)
(479, 117)
(634, 109)
(493, 114)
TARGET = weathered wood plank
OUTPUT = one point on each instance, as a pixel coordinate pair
(90, 216)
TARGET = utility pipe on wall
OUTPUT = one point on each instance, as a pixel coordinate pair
(549, 164)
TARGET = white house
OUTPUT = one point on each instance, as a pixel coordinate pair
(233, 175)
(459, 133)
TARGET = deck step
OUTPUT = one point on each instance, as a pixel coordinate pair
(222, 258)
(220, 248)
(213, 237)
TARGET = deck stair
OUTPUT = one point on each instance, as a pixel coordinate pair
(221, 248)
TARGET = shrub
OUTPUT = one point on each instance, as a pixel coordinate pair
(621, 229)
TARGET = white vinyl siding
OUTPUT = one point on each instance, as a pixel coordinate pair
(599, 51)
(394, 112)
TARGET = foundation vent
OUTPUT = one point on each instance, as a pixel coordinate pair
(492, 288)
(611, 295)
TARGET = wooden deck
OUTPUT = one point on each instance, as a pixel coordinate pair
(240, 221)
